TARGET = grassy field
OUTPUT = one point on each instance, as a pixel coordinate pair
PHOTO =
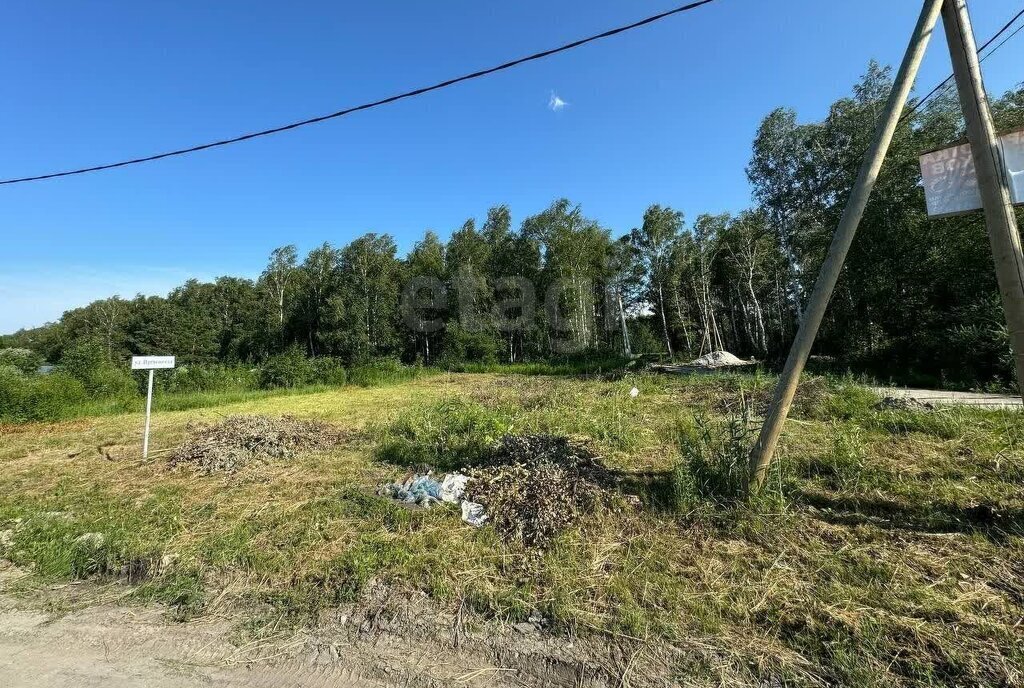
(360, 376)
(887, 551)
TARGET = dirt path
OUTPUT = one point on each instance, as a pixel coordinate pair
(116, 647)
(929, 396)
(389, 639)
(938, 396)
(110, 646)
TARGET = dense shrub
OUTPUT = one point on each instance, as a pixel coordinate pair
(328, 371)
(381, 371)
(87, 362)
(25, 360)
(288, 369)
(210, 378)
(293, 369)
(644, 339)
(37, 397)
(109, 381)
(79, 359)
(461, 344)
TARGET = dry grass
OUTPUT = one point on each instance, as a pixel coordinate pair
(891, 555)
(239, 440)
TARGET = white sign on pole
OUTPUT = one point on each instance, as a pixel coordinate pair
(150, 363)
(951, 184)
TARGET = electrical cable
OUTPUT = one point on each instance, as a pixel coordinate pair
(467, 77)
(368, 106)
(945, 82)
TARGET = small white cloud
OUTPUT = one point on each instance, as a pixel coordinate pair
(555, 103)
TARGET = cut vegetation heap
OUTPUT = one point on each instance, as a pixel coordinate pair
(531, 488)
(238, 440)
(536, 486)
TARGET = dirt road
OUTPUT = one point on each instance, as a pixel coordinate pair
(929, 396)
(117, 647)
(945, 397)
(105, 642)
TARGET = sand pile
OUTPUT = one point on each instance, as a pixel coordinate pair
(718, 359)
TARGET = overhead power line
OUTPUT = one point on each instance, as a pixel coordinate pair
(374, 104)
(946, 82)
(1002, 42)
(468, 77)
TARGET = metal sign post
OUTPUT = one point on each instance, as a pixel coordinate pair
(150, 363)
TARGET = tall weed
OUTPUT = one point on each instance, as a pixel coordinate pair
(451, 434)
(715, 453)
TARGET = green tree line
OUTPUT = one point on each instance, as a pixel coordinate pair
(917, 301)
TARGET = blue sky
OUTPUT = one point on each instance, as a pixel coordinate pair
(663, 114)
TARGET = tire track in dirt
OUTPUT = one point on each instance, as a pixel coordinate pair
(294, 675)
(388, 638)
(114, 647)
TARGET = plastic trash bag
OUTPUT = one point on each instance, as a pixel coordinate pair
(419, 489)
(425, 491)
(425, 485)
(474, 514)
(453, 487)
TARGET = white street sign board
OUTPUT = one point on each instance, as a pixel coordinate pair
(1013, 156)
(951, 184)
(152, 362)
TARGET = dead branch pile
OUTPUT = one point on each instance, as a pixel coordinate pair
(238, 440)
(536, 486)
(889, 403)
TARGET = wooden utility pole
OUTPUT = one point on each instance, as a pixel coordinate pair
(993, 186)
(763, 451)
(625, 331)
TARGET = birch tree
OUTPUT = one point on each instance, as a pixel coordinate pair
(278, 276)
(654, 240)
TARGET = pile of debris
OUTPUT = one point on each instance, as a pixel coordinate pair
(890, 403)
(426, 490)
(533, 487)
(530, 487)
(236, 441)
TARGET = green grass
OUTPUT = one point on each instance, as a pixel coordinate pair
(182, 401)
(888, 552)
(582, 366)
(359, 376)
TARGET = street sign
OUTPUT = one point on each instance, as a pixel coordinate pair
(950, 181)
(150, 363)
